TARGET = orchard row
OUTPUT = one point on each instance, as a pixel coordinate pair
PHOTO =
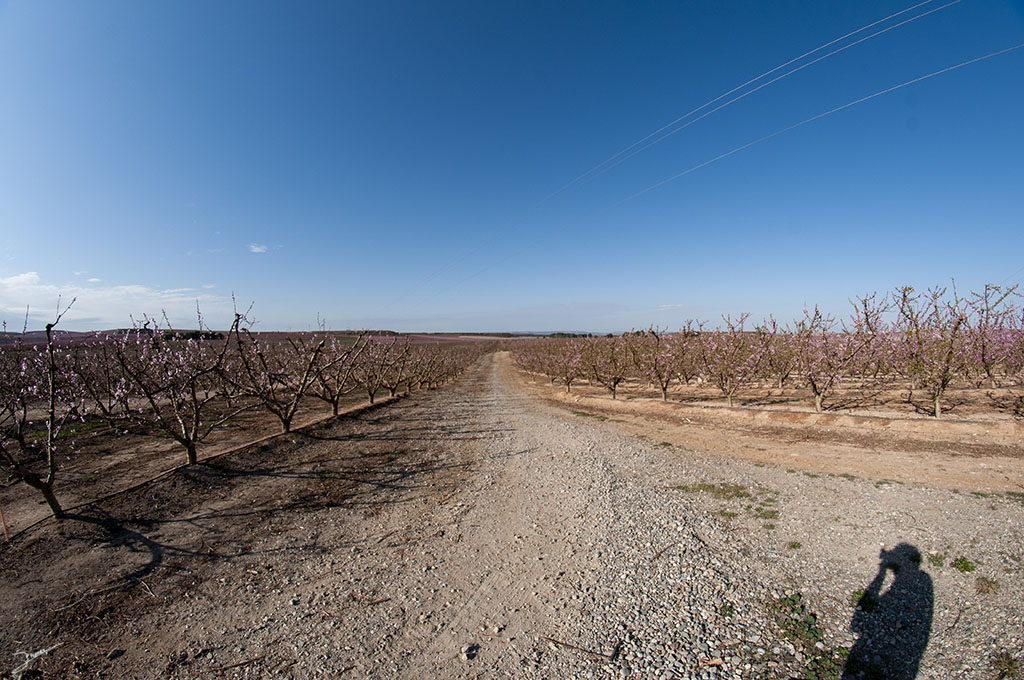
(923, 341)
(151, 380)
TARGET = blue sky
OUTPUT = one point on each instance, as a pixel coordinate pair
(392, 164)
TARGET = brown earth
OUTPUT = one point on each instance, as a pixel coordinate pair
(104, 462)
(477, 531)
(983, 454)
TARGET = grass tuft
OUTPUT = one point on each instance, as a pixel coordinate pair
(723, 491)
(986, 586)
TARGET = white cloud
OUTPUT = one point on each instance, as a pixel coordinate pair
(665, 308)
(26, 279)
(106, 306)
(257, 248)
(94, 280)
(208, 286)
(80, 273)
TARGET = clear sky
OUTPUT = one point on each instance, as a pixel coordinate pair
(392, 164)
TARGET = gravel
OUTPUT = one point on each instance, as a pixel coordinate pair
(536, 543)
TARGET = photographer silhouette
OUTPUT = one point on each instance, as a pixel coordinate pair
(893, 626)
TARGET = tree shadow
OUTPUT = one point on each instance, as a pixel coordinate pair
(893, 626)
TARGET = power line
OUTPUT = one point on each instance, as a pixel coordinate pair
(818, 117)
(615, 159)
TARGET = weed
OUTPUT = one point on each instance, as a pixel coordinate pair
(721, 491)
(861, 598)
(769, 527)
(847, 476)
(758, 464)
(936, 559)
(728, 515)
(980, 494)
(791, 471)
(794, 545)
(766, 513)
(584, 414)
(728, 610)
(811, 475)
(885, 482)
(1015, 496)
(1007, 666)
(963, 564)
(826, 666)
(986, 586)
(70, 430)
(666, 444)
(797, 623)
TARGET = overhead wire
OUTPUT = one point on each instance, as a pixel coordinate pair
(509, 255)
(599, 168)
(766, 84)
(631, 150)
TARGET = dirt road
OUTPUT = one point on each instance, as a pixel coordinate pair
(475, 532)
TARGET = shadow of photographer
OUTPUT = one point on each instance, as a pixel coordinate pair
(894, 626)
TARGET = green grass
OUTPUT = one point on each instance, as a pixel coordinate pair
(862, 599)
(885, 482)
(847, 476)
(769, 527)
(70, 430)
(723, 491)
(794, 545)
(812, 475)
(964, 565)
(665, 444)
(980, 494)
(1015, 496)
(800, 625)
(1007, 666)
(986, 586)
(728, 515)
(728, 610)
(766, 513)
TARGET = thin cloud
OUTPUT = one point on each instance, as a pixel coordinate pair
(105, 306)
(257, 248)
(93, 280)
(208, 286)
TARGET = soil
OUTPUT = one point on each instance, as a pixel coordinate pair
(984, 453)
(105, 461)
(487, 529)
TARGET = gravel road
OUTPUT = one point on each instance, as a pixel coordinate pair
(527, 541)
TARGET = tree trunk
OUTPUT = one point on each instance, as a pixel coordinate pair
(818, 398)
(51, 500)
(44, 487)
(938, 407)
(728, 398)
(190, 453)
(664, 394)
(336, 406)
